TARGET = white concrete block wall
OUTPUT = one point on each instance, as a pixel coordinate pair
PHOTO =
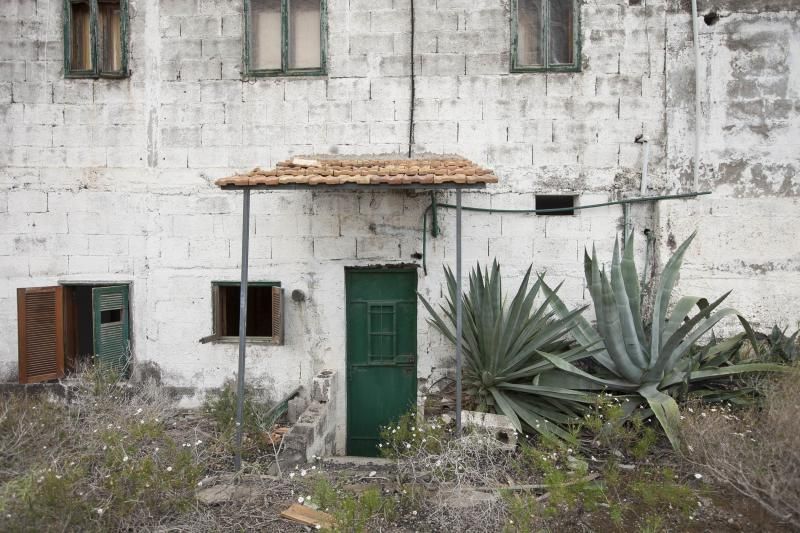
(113, 179)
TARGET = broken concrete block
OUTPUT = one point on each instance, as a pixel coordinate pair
(323, 386)
(499, 426)
(296, 406)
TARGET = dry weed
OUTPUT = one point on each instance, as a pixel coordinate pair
(754, 451)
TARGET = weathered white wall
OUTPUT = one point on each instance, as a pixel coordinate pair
(113, 180)
(749, 236)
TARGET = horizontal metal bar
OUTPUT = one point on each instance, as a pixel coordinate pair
(636, 200)
(356, 187)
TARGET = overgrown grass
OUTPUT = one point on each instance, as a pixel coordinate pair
(103, 463)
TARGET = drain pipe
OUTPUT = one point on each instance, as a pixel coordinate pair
(643, 140)
(696, 38)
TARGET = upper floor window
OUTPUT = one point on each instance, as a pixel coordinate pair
(285, 37)
(95, 38)
(545, 35)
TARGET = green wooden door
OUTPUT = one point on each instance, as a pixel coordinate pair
(111, 327)
(381, 353)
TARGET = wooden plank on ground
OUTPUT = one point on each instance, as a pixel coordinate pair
(307, 516)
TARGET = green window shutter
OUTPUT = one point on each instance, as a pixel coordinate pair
(277, 316)
(111, 319)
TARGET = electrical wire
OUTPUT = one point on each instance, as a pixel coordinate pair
(543, 211)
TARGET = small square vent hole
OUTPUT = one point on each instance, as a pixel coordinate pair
(565, 204)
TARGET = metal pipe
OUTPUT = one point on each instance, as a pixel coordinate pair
(642, 139)
(695, 36)
(237, 460)
(459, 313)
(413, 85)
(553, 210)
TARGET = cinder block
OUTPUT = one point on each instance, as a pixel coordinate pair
(221, 91)
(32, 92)
(348, 133)
(200, 26)
(443, 64)
(108, 245)
(388, 132)
(82, 264)
(27, 202)
(223, 47)
(498, 426)
(378, 248)
(390, 89)
(324, 386)
(436, 132)
(334, 247)
(348, 89)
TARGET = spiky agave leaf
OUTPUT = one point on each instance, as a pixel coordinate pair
(655, 367)
(502, 342)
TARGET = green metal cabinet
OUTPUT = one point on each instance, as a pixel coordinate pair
(381, 352)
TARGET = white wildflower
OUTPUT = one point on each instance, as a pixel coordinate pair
(125, 459)
(300, 499)
(100, 511)
(698, 476)
(303, 473)
(291, 475)
(169, 469)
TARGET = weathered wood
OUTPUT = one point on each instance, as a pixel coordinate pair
(307, 516)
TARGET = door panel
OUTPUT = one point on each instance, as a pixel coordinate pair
(111, 326)
(381, 353)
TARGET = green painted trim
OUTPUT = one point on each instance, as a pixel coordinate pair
(95, 72)
(576, 66)
(249, 72)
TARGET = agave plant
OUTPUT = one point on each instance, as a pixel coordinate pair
(507, 346)
(651, 366)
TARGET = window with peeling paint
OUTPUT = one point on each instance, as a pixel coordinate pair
(545, 35)
(285, 37)
(95, 40)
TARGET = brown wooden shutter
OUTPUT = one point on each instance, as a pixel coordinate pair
(277, 315)
(40, 317)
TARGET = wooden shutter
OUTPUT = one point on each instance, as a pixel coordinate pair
(40, 317)
(111, 327)
(277, 315)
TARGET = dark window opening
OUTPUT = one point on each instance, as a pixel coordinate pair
(111, 316)
(259, 311)
(561, 204)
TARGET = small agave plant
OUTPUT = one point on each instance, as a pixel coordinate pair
(507, 346)
(655, 365)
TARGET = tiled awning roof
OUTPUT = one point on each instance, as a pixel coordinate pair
(424, 172)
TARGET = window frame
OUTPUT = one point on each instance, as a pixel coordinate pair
(322, 70)
(575, 66)
(95, 71)
(215, 336)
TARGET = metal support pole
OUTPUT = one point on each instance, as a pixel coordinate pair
(459, 312)
(237, 460)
